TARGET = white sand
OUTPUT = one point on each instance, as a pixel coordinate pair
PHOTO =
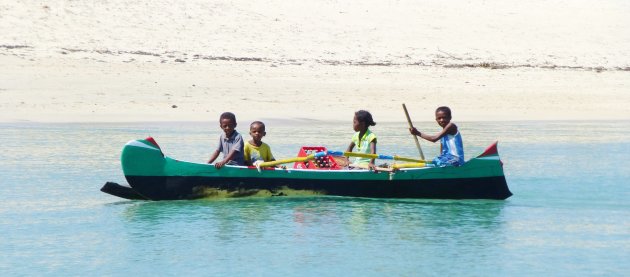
(79, 61)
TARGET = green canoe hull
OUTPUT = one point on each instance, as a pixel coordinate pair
(157, 177)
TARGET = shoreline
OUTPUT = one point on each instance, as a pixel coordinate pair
(298, 121)
(70, 90)
(76, 61)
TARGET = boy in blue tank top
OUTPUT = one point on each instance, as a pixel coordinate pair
(452, 146)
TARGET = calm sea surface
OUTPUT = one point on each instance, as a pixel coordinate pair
(569, 215)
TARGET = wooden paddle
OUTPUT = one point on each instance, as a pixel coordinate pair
(375, 156)
(286, 161)
(414, 136)
(408, 165)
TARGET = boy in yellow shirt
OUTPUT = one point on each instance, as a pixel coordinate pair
(255, 149)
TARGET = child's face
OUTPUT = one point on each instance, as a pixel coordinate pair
(442, 118)
(227, 125)
(257, 132)
(356, 125)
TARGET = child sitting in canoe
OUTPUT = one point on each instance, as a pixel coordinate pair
(255, 149)
(451, 144)
(363, 139)
(230, 143)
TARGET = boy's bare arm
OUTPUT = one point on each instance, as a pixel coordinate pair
(433, 138)
(213, 156)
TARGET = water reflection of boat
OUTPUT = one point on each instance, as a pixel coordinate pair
(153, 176)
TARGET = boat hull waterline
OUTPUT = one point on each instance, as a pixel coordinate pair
(154, 176)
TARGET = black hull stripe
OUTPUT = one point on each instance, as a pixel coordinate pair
(191, 187)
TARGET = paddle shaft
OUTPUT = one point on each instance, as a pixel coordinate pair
(285, 161)
(408, 165)
(375, 156)
(337, 153)
(414, 136)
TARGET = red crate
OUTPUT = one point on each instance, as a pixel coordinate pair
(321, 163)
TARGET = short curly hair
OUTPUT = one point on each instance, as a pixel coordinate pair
(228, 115)
(444, 109)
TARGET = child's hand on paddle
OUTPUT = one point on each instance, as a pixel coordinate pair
(414, 131)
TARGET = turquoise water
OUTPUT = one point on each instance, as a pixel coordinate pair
(568, 216)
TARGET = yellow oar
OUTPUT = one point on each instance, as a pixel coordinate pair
(414, 136)
(286, 161)
(375, 156)
(409, 165)
(414, 162)
(397, 158)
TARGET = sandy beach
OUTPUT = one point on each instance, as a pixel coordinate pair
(120, 61)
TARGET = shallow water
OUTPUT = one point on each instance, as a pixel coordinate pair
(568, 216)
